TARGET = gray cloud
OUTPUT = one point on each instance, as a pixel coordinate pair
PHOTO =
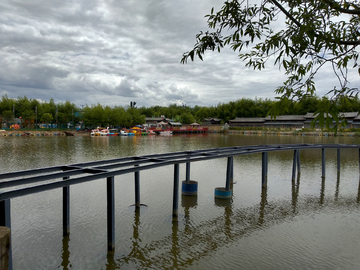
(114, 52)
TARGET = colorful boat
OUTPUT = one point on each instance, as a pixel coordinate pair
(123, 132)
(100, 132)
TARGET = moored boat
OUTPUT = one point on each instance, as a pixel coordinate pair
(95, 132)
(123, 132)
(165, 132)
(114, 132)
(100, 132)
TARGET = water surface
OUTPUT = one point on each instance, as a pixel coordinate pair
(309, 224)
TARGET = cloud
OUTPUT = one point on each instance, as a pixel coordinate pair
(114, 52)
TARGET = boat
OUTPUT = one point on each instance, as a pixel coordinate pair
(166, 132)
(113, 132)
(123, 133)
(67, 133)
(105, 132)
(100, 132)
(95, 132)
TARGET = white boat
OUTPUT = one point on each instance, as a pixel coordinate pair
(104, 132)
(99, 132)
(166, 132)
(123, 133)
(95, 132)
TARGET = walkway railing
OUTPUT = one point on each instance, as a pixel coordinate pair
(16, 184)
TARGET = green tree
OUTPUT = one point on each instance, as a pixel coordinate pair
(135, 117)
(315, 34)
(6, 103)
(186, 118)
(47, 118)
(7, 116)
(28, 116)
(117, 116)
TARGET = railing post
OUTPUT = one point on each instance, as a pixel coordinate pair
(264, 169)
(187, 173)
(359, 163)
(232, 170)
(110, 213)
(137, 189)
(5, 216)
(323, 162)
(228, 172)
(176, 190)
(189, 187)
(338, 161)
(66, 209)
(294, 165)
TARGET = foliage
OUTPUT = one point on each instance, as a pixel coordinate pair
(187, 118)
(47, 118)
(99, 115)
(7, 115)
(315, 34)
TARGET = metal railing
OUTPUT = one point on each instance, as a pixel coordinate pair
(21, 183)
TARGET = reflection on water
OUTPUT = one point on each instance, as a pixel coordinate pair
(308, 223)
(192, 244)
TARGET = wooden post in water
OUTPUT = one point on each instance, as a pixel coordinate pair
(66, 209)
(264, 169)
(110, 213)
(176, 190)
(323, 162)
(137, 189)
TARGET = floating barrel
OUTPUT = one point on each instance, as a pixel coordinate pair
(222, 193)
(189, 188)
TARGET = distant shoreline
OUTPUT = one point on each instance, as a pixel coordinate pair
(39, 132)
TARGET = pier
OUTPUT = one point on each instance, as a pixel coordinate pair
(23, 183)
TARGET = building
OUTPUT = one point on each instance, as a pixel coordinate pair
(293, 121)
(285, 121)
(247, 122)
(212, 121)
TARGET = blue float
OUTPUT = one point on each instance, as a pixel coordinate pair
(189, 188)
(222, 193)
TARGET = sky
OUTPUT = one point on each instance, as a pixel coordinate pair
(114, 52)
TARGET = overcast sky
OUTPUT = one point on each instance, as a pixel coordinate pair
(114, 52)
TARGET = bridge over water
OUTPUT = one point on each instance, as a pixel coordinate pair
(23, 183)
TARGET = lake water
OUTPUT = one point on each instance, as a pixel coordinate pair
(313, 224)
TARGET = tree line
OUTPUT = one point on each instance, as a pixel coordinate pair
(32, 111)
